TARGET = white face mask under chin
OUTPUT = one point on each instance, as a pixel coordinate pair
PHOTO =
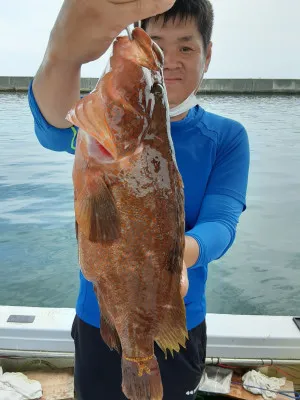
(189, 103)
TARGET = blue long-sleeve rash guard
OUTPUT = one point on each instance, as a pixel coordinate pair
(212, 154)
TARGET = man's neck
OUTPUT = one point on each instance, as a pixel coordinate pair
(179, 117)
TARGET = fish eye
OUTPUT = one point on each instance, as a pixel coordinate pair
(157, 89)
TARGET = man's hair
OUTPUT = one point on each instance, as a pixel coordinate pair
(200, 10)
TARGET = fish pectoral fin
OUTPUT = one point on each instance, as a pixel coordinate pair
(88, 114)
(97, 215)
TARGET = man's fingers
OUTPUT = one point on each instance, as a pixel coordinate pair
(143, 8)
(154, 7)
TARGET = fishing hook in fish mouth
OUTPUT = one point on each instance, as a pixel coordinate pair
(129, 33)
(135, 25)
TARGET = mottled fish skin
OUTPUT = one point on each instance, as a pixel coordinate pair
(129, 208)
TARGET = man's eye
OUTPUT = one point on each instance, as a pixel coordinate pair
(186, 49)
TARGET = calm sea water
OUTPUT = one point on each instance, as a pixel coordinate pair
(259, 275)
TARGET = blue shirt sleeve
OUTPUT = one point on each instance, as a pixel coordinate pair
(216, 227)
(224, 200)
(49, 136)
(229, 175)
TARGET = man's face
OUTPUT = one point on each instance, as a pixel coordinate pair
(184, 58)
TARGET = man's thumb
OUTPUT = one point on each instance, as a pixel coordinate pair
(184, 282)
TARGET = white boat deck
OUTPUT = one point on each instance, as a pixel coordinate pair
(229, 336)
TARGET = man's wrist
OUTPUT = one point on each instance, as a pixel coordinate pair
(66, 45)
(56, 58)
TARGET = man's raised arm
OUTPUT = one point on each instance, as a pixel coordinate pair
(82, 33)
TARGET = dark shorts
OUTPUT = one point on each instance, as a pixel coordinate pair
(98, 369)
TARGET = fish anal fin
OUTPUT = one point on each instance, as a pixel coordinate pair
(107, 329)
(109, 334)
(172, 332)
(97, 215)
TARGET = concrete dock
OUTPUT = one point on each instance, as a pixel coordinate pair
(209, 86)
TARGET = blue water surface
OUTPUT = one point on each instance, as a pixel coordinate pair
(259, 275)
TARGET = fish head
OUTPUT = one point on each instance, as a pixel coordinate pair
(117, 113)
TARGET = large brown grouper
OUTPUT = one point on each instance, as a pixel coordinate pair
(129, 208)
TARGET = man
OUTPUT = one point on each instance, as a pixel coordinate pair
(212, 153)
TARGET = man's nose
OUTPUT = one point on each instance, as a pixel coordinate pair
(170, 60)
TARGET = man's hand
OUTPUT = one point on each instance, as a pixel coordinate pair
(85, 29)
(191, 255)
(184, 285)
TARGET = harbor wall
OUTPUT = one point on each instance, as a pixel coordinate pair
(209, 86)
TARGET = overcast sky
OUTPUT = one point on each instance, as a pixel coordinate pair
(252, 38)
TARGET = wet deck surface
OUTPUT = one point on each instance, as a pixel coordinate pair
(59, 385)
(56, 385)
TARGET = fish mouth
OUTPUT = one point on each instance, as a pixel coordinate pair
(141, 49)
(153, 56)
(115, 114)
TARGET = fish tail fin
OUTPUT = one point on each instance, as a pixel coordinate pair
(109, 334)
(141, 378)
(172, 332)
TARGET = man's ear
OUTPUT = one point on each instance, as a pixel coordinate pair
(208, 56)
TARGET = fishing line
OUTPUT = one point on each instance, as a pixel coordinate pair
(129, 33)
